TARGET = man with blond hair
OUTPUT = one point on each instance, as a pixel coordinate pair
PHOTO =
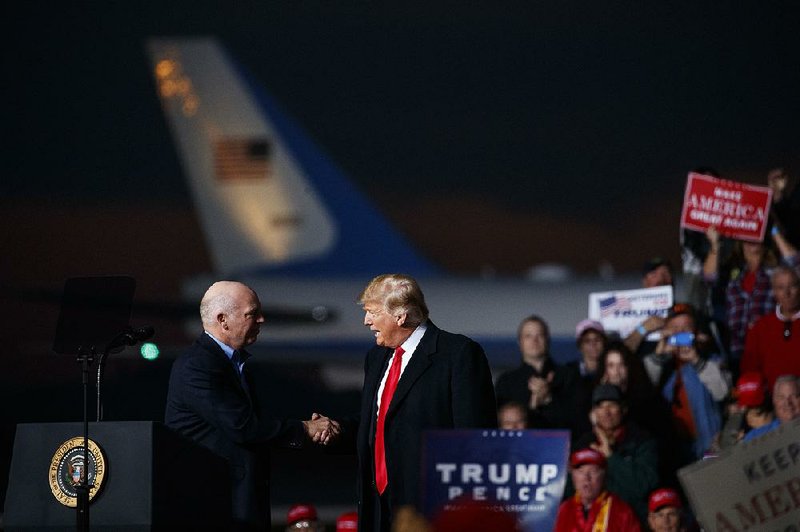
(417, 378)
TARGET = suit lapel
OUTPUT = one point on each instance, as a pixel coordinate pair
(372, 381)
(420, 361)
(210, 345)
(246, 381)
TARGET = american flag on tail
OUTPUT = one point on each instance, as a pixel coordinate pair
(241, 158)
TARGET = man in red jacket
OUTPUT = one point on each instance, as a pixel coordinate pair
(592, 508)
(773, 344)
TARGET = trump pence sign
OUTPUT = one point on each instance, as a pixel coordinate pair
(522, 472)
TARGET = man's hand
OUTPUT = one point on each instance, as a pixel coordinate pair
(604, 444)
(663, 347)
(321, 429)
(777, 180)
(653, 323)
(540, 390)
(636, 337)
(713, 237)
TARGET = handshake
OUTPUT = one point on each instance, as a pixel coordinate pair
(321, 429)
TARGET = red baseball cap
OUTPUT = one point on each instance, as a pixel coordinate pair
(664, 497)
(750, 389)
(587, 456)
(347, 522)
(301, 512)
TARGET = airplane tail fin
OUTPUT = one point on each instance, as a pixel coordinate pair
(269, 200)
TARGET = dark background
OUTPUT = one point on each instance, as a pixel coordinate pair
(571, 118)
(553, 132)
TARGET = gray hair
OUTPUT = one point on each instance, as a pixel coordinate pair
(784, 269)
(787, 378)
(217, 300)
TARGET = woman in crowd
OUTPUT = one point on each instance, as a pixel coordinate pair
(748, 294)
(620, 367)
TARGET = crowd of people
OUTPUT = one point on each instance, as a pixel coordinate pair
(719, 368)
(676, 390)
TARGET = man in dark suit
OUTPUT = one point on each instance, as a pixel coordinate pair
(211, 400)
(418, 377)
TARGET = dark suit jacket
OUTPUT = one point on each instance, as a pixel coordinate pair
(447, 384)
(207, 403)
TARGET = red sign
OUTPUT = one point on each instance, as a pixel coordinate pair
(736, 210)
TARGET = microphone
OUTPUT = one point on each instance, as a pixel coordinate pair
(132, 337)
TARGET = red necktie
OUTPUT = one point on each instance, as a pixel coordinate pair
(381, 479)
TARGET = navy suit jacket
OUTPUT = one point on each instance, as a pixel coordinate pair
(208, 403)
(446, 385)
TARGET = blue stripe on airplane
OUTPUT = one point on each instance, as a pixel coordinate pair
(366, 244)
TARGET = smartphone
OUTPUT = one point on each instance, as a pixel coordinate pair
(681, 339)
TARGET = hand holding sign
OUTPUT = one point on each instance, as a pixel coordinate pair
(777, 179)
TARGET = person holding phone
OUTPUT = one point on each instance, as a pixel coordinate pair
(683, 342)
(692, 382)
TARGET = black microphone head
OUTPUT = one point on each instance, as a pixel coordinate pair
(144, 333)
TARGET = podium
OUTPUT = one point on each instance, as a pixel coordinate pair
(153, 479)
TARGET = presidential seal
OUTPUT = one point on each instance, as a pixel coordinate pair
(67, 469)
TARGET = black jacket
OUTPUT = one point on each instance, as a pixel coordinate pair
(207, 402)
(447, 384)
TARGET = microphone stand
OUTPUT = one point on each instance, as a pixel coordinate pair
(105, 303)
(85, 357)
(97, 385)
(100, 367)
(125, 338)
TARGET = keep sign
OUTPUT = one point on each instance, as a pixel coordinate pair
(755, 485)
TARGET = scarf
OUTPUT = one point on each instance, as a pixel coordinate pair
(707, 420)
(598, 513)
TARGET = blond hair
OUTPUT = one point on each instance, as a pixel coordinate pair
(397, 293)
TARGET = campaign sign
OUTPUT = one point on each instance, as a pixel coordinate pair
(624, 310)
(735, 209)
(516, 471)
(754, 485)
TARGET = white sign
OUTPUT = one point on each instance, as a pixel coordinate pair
(754, 485)
(624, 310)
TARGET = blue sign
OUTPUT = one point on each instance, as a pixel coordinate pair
(517, 471)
